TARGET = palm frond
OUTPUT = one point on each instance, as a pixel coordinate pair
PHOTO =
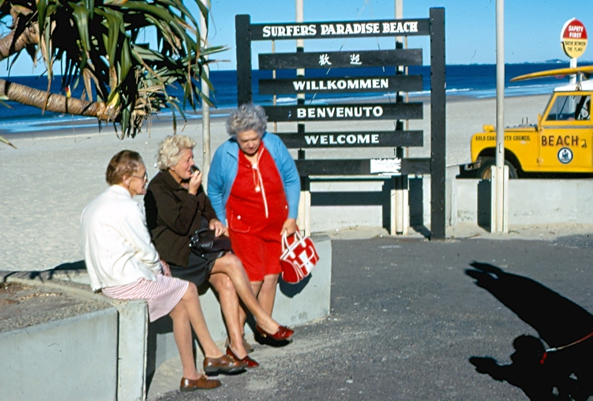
(97, 44)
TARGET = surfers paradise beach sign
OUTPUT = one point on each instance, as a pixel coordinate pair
(339, 29)
(318, 80)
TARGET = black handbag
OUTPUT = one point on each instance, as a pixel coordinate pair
(203, 241)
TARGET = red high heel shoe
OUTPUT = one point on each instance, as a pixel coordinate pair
(282, 334)
(251, 363)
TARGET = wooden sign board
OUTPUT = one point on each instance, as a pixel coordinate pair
(358, 111)
(340, 29)
(353, 139)
(405, 83)
(350, 59)
(362, 111)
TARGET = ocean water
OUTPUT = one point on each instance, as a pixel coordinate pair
(470, 81)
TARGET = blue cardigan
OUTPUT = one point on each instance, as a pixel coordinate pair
(225, 165)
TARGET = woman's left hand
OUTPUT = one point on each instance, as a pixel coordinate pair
(217, 226)
(289, 227)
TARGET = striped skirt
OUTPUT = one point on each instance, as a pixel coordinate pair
(161, 295)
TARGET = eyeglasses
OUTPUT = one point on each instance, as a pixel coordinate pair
(145, 177)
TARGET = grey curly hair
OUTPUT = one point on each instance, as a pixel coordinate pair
(247, 117)
(170, 150)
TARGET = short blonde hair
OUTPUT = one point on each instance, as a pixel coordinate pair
(247, 117)
(170, 150)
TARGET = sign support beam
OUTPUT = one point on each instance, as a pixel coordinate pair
(438, 113)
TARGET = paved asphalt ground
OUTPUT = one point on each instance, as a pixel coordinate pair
(406, 318)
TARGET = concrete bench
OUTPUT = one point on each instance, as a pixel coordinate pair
(108, 354)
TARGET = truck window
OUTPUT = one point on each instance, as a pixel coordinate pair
(563, 109)
(583, 110)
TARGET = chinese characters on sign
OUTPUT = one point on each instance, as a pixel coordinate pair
(354, 59)
(324, 60)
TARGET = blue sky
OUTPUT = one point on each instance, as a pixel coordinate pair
(532, 27)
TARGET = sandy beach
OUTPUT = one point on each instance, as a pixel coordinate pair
(51, 177)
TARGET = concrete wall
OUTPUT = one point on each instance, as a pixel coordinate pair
(70, 359)
(531, 202)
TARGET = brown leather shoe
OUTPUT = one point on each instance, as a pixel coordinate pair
(202, 383)
(224, 364)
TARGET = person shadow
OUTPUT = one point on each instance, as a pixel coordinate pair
(562, 372)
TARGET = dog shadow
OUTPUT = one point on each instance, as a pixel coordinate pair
(562, 374)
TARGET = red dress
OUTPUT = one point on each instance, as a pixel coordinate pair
(256, 210)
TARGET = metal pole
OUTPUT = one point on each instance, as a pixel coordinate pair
(274, 98)
(501, 224)
(573, 64)
(205, 106)
(304, 220)
(300, 72)
(400, 218)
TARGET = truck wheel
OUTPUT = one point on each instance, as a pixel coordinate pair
(484, 172)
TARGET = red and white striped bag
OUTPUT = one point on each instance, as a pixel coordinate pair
(298, 258)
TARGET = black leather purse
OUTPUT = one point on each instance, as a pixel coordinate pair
(203, 241)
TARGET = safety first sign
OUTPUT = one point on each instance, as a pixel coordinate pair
(573, 38)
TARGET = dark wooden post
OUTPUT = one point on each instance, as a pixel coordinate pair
(438, 143)
(243, 43)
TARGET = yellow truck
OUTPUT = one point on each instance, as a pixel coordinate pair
(561, 141)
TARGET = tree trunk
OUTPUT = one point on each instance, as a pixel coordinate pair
(52, 102)
(30, 36)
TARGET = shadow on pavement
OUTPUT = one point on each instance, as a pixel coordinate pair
(563, 372)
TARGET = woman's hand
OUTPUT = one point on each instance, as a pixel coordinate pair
(217, 226)
(289, 227)
(194, 182)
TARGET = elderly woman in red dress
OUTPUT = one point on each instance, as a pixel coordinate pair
(254, 186)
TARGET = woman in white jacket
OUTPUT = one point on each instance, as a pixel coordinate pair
(123, 263)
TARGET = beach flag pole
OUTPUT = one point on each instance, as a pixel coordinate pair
(205, 106)
(499, 180)
(304, 216)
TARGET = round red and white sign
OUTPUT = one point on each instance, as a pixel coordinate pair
(573, 38)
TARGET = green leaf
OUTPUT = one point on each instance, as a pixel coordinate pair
(6, 141)
(41, 13)
(99, 43)
(81, 15)
(90, 5)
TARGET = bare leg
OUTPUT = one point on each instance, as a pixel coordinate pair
(231, 266)
(229, 303)
(255, 287)
(183, 339)
(267, 293)
(193, 311)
